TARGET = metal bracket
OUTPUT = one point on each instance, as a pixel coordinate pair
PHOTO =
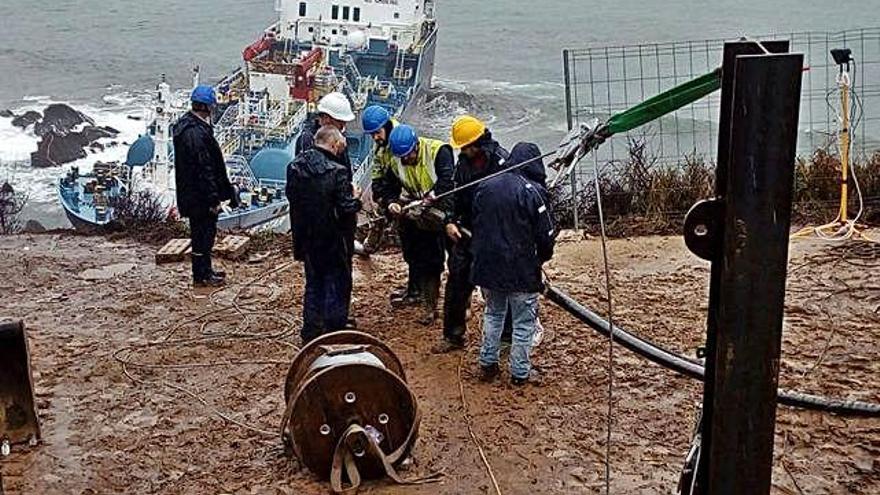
(703, 229)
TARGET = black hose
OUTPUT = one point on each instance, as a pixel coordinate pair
(694, 369)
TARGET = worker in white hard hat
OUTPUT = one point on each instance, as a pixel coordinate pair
(334, 110)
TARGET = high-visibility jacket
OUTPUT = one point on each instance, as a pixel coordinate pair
(432, 172)
(417, 180)
(383, 158)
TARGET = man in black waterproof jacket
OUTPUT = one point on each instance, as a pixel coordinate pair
(323, 203)
(480, 156)
(202, 182)
(513, 237)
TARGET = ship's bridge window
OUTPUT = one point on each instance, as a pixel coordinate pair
(334, 12)
(302, 9)
(356, 14)
(345, 12)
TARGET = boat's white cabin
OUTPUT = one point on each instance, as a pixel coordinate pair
(353, 22)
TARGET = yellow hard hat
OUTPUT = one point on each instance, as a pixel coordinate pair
(466, 130)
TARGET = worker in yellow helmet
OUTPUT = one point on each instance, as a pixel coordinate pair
(422, 169)
(480, 156)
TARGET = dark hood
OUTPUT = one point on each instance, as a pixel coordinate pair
(535, 170)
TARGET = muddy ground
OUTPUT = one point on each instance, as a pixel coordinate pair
(155, 429)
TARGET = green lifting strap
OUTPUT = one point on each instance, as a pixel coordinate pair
(664, 103)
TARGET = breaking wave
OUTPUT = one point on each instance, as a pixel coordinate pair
(515, 112)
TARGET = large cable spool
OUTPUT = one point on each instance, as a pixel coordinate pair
(349, 409)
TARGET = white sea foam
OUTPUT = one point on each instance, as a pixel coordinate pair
(16, 144)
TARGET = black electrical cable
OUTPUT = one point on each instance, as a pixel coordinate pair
(693, 369)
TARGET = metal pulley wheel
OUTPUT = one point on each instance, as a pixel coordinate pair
(349, 408)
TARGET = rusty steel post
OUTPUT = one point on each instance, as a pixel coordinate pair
(751, 274)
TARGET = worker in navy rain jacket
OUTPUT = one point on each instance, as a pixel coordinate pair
(513, 237)
(480, 156)
(323, 202)
(202, 182)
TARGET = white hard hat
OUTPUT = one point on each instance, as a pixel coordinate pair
(337, 106)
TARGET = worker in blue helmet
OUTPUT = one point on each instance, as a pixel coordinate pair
(202, 182)
(422, 168)
(378, 123)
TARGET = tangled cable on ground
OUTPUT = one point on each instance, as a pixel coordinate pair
(243, 311)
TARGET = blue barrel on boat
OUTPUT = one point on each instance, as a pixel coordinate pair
(271, 163)
(141, 152)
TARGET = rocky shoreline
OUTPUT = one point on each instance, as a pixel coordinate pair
(66, 134)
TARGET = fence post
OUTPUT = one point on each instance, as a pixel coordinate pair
(569, 119)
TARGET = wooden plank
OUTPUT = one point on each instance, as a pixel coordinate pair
(233, 247)
(173, 251)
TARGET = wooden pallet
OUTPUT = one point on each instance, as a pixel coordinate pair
(174, 251)
(233, 247)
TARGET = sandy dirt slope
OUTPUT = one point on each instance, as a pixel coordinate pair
(88, 301)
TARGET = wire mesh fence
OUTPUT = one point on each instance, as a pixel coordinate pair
(602, 81)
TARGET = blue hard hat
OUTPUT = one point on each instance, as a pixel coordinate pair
(374, 118)
(403, 140)
(204, 94)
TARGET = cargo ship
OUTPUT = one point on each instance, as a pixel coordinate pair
(376, 52)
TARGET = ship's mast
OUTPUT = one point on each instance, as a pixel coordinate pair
(160, 168)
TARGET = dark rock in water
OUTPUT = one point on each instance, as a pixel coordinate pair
(7, 114)
(57, 148)
(26, 119)
(61, 118)
(100, 132)
(33, 227)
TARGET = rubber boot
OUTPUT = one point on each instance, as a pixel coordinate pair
(430, 295)
(409, 296)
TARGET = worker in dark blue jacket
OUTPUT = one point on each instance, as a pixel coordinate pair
(481, 155)
(513, 237)
(202, 182)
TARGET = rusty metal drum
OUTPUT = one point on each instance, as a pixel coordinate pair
(347, 391)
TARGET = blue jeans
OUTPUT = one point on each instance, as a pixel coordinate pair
(524, 311)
